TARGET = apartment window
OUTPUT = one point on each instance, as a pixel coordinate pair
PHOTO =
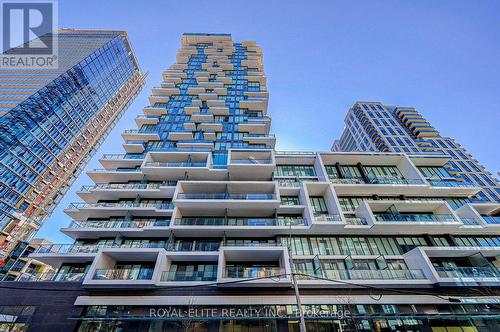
(349, 204)
(434, 172)
(318, 205)
(332, 172)
(351, 172)
(382, 172)
(290, 200)
(295, 170)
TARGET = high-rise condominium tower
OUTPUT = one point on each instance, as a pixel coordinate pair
(372, 126)
(52, 120)
(202, 226)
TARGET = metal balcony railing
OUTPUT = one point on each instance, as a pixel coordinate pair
(189, 276)
(236, 196)
(468, 272)
(252, 272)
(400, 217)
(123, 274)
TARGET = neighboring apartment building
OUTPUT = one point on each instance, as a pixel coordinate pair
(373, 126)
(22, 267)
(202, 226)
(53, 120)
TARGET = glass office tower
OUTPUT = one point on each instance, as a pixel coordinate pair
(373, 126)
(200, 225)
(52, 120)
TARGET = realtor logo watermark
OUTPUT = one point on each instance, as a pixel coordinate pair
(26, 39)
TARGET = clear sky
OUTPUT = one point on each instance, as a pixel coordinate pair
(442, 57)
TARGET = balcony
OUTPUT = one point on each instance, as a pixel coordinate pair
(356, 221)
(327, 217)
(450, 183)
(123, 274)
(103, 175)
(244, 272)
(189, 276)
(468, 272)
(195, 246)
(408, 217)
(70, 248)
(381, 185)
(491, 220)
(140, 135)
(367, 274)
(84, 211)
(225, 196)
(52, 276)
(100, 224)
(175, 164)
(235, 222)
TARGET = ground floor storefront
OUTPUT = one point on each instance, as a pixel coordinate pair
(284, 318)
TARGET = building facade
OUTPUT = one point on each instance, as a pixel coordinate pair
(22, 267)
(373, 126)
(202, 226)
(52, 120)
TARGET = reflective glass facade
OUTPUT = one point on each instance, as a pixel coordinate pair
(373, 126)
(52, 120)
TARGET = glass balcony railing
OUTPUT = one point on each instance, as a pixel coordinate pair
(189, 276)
(119, 223)
(356, 221)
(400, 217)
(236, 196)
(93, 248)
(328, 218)
(109, 170)
(366, 274)
(450, 183)
(195, 246)
(70, 248)
(52, 276)
(161, 206)
(121, 156)
(175, 164)
(252, 272)
(123, 274)
(381, 180)
(236, 243)
(201, 221)
(470, 221)
(492, 220)
(252, 161)
(128, 186)
(468, 272)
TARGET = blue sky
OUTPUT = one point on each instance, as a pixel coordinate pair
(442, 57)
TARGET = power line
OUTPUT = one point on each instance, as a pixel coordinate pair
(278, 276)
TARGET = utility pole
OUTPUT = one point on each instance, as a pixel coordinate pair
(302, 322)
